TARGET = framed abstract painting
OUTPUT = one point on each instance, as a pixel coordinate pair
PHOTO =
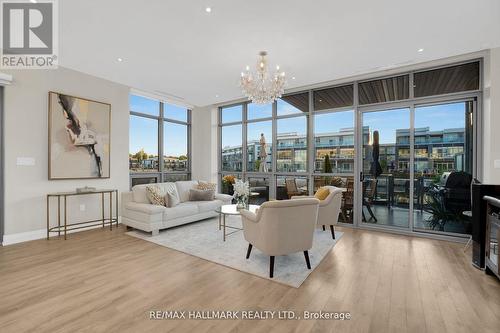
(79, 137)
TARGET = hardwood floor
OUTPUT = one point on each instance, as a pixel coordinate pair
(106, 281)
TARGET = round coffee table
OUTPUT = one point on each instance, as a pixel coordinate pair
(230, 210)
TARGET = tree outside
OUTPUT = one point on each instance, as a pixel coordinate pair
(327, 167)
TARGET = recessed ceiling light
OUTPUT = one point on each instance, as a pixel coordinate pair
(216, 95)
(33, 1)
(420, 50)
(119, 59)
(208, 9)
(293, 77)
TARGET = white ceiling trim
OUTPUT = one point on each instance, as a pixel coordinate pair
(161, 98)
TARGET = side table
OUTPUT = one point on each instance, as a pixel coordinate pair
(85, 224)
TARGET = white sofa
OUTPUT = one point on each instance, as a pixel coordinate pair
(138, 213)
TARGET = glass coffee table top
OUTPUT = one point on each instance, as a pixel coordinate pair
(232, 210)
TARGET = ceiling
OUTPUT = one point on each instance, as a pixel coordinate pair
(176, 48)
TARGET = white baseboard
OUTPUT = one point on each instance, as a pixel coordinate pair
(36, 234)
(24, 237)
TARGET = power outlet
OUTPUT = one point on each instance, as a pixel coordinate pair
(82, 208)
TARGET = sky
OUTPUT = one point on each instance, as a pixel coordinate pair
(254, 130)
(437, 117)
(144, 131)
(333, 122)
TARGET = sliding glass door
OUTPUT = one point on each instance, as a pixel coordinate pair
(385, 177)
(443, 156)
(416, 167)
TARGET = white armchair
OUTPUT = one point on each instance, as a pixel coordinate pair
(281, 227)
(329, 209)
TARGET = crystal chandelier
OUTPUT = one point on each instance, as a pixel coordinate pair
(260, 87)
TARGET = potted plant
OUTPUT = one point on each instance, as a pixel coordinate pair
(227, 184)
(442, 219)
(439, 215)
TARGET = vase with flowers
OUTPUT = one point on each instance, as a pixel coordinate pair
(241, 193)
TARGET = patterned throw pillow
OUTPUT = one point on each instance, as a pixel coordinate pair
(155, 195)
(322, 193)
(206, 186)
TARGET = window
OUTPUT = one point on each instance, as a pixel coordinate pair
(244, 128)
(385, 176)
(146, 117)
(447, 80)
(449, 150)
(384, 90)
(334, 142)
(449, 125)
(175, 112)
(404, 152)
(291, 145)
(256, 111)
(421, 153)
(232, 151)
(143, 144)
(335, 97)
(231, 143)
(289, 186)
(175, 147)
(144, 105)
(259, 190)
(259, 146)
(346, 153)
(232, 114)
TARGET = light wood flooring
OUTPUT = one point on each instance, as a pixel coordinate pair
(106, 281)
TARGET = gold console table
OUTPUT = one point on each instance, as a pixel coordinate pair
(80, 225)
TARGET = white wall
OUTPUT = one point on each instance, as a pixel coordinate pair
(204, 144)
(26, 132)
(491, 117)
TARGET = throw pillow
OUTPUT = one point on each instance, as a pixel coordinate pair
(206, 186)
(155, 195)
(322, 193)
(201, 195)
(171, 200)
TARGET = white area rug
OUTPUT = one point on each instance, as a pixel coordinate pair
(204, 240)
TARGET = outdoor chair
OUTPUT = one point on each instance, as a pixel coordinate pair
(368, 197)
(292, 189)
